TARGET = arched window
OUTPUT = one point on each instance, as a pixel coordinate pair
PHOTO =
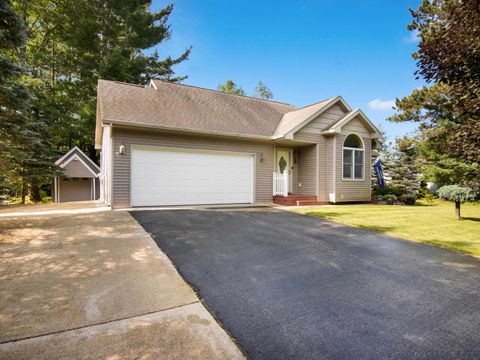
(353, 158)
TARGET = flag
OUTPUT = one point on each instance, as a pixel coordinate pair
(377, 167)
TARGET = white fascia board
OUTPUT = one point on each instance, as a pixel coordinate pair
(67, 154)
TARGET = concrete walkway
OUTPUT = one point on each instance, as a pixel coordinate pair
(96, 286)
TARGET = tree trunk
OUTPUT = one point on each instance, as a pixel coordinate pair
(457, 210)
(35, 191)
(24, 190)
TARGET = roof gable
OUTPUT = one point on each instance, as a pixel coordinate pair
(75, 154)
(357, 113)
(295, 120)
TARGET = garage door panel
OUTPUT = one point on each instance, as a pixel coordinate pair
(186, 177)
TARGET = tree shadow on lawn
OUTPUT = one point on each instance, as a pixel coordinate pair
(423, 204)
(376, 228)
(331, 215)
(326, 214)
(471, 219)
(462, 246)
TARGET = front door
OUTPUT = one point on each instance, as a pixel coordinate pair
(284, 164)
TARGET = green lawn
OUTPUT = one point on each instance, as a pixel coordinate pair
(430, 224)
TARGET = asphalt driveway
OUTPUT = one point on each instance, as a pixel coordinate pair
(290, 286)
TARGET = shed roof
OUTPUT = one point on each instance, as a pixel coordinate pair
(77, 155)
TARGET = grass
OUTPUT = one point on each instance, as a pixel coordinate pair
(430, 224)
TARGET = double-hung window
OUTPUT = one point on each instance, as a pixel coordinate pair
(353, 158)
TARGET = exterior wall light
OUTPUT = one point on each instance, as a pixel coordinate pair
(261, 158)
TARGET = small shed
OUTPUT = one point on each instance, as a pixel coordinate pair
(80, 178)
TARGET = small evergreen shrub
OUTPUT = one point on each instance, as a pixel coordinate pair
(459, 195)
(408, 199)
(426, 195)
(390, 199)
(428, 198)
(383, 191)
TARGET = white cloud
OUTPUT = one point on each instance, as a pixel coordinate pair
(412, 38)
(381, 105)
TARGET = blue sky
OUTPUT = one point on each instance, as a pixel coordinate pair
(304, 51)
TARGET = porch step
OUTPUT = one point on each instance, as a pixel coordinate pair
(306, 203)
(295, 200)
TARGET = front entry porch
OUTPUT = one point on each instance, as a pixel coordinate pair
(294, 177)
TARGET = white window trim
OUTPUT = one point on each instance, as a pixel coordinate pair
(353, 159)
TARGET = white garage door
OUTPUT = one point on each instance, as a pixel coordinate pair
(162, 176)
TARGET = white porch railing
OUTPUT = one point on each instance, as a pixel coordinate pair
(280, 184)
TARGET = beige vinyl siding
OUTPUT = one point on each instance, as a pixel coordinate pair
(356, 126)
(307, 137)
(353, 190)
(324, 120)
(127, 137)
(75, 169)
(312, 133)
(76, 189)
(307, 173)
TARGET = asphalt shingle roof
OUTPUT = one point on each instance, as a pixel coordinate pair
(185, 107)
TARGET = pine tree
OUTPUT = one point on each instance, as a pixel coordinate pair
(70, 44)
(22, 144)
(381, 149)
(230, 87)
(73, 43)
(402, 166)
(262, 91)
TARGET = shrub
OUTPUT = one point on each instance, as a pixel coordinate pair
(383, 191)
(426, 195)
(428, 198)
(390, 199)
(408, 199)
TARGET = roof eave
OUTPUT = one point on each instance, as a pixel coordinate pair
(126, 123)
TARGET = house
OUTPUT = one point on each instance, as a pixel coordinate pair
(80, 179)
(175, 144)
